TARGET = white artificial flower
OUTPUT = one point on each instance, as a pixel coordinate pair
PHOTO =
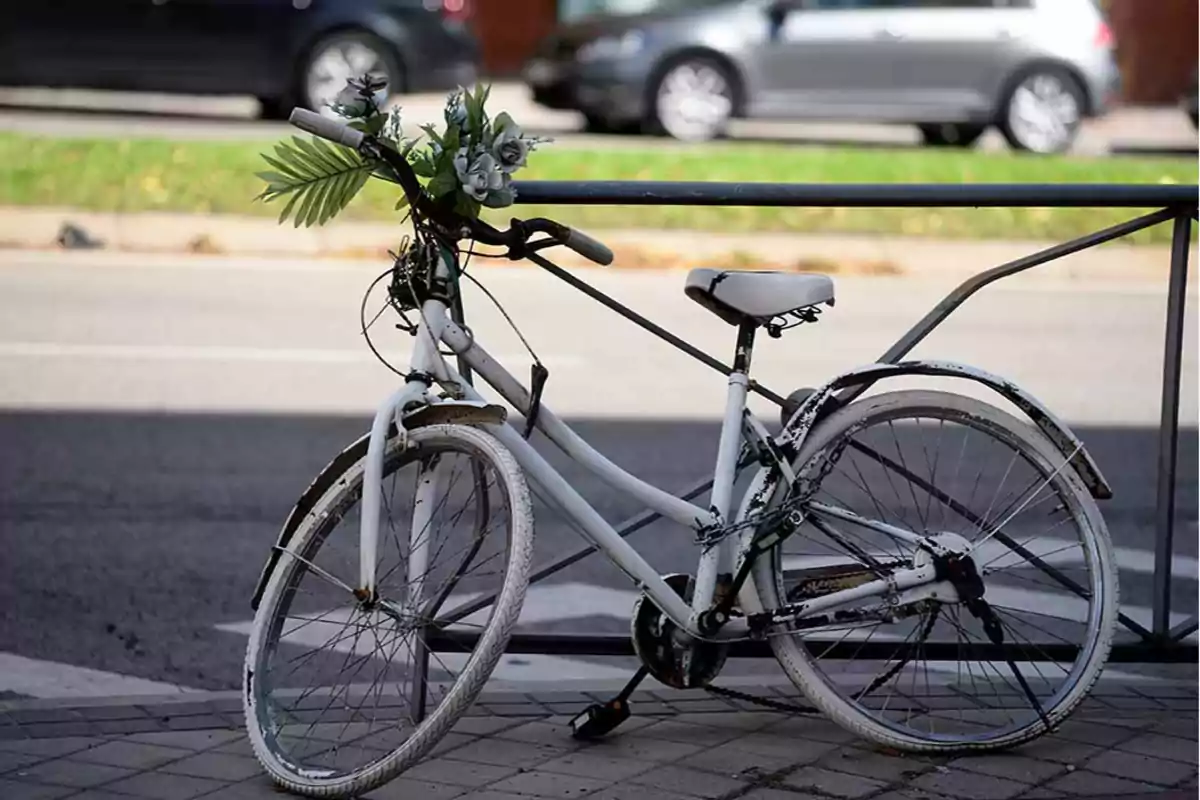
(510, 147)
(351, 104)
(393, 128)
(456, 110)
(479, 176)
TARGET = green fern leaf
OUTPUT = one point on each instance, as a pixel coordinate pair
(321, 180)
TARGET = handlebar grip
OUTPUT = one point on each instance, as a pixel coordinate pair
(325, 127)
(588, 247)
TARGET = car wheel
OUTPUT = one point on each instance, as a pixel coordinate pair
(693, 101)
(338, 58)
(951, 135)
(595, 124)
(1043, 111)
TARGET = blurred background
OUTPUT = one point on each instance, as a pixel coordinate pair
(175, 367)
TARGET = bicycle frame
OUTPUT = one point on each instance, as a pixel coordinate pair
(436, 328)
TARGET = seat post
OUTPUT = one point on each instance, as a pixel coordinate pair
(745, 347)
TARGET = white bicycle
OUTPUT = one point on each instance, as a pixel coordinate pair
(933, 530)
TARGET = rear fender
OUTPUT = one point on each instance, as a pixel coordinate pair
(823, 401)
(463, 412)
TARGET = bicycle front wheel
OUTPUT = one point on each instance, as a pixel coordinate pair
(928, 676)
(344, 692)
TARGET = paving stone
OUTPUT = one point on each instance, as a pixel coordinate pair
(913, 793)
(51, 748)
(57, 730)
(487, 794)
(1167, 747)
(1014, 767)
(731, 720)
(1062, 751)
(261, 788)
(10, 761)
(571, 709)
(672, 695)
(484, 726)
(540, 732)
(1140, 768)
(1098, 733)
(111, 712)
(645, 748)
(218, 766)
(132, 755)
(188, 740)
(766, 793)
(12, 732)
(12, 790)
(516, 709)
(503, 753)
(693, 706)
(460, 773)
(411, 789)
(1093, 784)
(816, 728)
(126, 726)
(64, 772)
(195, 723)
(1178, 726)
(27, 716)
(674, 730)
(690, 782)
(632, 791)
(161, 786)
(728, 760)
(827, 782)
(588, 764)
(98, 794)
(239, 747)
(451, 742)
(549, 784)
(800, 751)
(182, 709)
(875, 765)
(957, 783)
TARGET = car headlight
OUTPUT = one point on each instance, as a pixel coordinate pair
(612, 47)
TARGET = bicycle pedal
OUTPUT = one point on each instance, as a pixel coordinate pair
(599, 719)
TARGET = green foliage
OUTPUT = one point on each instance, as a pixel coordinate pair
(320, 179)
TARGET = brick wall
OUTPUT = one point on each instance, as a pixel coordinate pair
(1156, 47)
(508, 30)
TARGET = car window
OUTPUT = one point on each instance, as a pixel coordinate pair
(570, 10)
(865, 5)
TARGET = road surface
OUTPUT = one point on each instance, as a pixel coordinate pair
(159, 416)
(91, 113)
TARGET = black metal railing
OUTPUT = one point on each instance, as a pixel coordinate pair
(1174, 204)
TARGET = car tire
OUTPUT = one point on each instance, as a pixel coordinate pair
(693, 100)
(950, 134)
(595, 124)
(1043, 111)
(275, 108)
(340, 56)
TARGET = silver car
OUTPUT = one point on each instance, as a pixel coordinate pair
(1033, 68)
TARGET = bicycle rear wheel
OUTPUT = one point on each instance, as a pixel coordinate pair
(931, 679)
(331, 677)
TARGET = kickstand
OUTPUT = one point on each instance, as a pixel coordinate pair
(600, 719)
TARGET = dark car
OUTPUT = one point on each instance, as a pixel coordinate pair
(1033, 68)
(284, 52)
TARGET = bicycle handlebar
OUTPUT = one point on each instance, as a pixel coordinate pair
(343, 134)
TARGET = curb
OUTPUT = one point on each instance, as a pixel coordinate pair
(221, 235)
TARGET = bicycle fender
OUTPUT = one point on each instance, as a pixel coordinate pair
(448, 411)
(823, 401)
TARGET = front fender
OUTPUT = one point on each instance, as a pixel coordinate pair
(443, 412)
(823, 400)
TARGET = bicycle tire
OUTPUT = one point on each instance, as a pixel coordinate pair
(344, 492)
(764, 589)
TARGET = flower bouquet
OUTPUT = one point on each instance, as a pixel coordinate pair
(468, 165)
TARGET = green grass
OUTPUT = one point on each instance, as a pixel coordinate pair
(218, 177)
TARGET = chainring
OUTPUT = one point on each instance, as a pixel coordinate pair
(694, 664)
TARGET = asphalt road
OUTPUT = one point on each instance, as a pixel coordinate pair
(159, 416)
(69, 112)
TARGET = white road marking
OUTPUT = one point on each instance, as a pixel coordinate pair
(51, 679)
(221, 353)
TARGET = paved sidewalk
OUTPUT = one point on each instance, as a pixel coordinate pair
(1127, 740)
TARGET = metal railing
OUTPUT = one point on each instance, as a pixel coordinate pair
(1173, 204)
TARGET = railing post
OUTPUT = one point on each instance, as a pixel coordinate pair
(1168, 440)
